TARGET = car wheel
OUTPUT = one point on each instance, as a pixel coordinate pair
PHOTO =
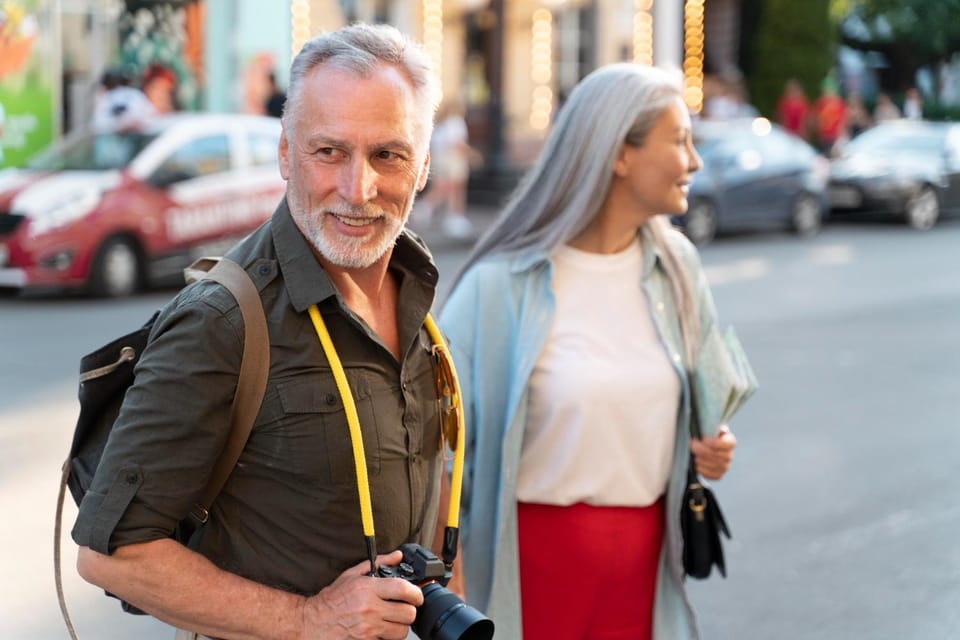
(700, 222)
(923, 208)
(117, 269)
(806, 215)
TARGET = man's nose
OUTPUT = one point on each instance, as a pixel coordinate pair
(358, 182)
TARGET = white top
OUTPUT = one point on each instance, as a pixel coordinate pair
(122, 107)
(448, 135)
(603, 397)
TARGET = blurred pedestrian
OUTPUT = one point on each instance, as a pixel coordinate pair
(829, 118)
(281, 553)
(885, 109)
(119, 105)
(451, 157)
(858, 118)
(729, 99)
(571, 323)
(912, 104)
(793, 108)
(160, 86)
(276, 98)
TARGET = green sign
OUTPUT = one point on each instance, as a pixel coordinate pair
(29, 76)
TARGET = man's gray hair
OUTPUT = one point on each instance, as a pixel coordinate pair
(360, 48)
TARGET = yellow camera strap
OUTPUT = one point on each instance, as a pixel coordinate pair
(356, 439)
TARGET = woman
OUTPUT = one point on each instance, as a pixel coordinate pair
(565, 325)
(451, 157)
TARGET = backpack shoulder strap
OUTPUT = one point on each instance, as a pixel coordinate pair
(252, 381)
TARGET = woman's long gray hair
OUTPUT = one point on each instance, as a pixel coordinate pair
(564, 190)
(360, 48)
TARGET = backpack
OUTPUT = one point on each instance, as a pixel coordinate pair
(105, 375)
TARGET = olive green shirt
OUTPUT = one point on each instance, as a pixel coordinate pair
(289, 515)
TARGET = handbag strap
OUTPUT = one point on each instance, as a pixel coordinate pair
(695, 432)
(251, 384)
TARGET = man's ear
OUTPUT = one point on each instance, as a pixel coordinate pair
(424, 173)
(283, 153)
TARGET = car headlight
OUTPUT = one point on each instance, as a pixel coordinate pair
(73, 206)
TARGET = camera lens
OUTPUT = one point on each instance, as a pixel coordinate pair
(444, 616)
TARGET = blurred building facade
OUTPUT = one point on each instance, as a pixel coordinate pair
(512, 62)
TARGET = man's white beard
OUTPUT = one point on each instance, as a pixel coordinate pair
(352, 252)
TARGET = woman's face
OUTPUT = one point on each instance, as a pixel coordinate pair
(654, 177)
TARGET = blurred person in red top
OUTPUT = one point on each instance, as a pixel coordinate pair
(160, 85)
(792, 108)
(829, 118)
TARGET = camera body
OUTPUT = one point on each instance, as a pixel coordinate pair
(419, 566)
(443, 615)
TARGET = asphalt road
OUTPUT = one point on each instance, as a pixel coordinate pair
(840, 499)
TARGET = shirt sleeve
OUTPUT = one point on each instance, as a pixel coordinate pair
(172, 427)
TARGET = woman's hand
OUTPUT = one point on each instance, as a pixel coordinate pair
(713, 454)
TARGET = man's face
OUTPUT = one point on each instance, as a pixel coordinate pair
(355, 160)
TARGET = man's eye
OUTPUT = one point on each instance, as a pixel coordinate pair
(386, 155)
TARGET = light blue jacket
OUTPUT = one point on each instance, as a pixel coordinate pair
(497, 319)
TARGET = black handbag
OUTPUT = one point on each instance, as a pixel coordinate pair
(701, 522)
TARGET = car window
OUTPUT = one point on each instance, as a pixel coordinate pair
(718, 153)
(200, 157)
(263, 148)
(92, 152)
(739, 152)
(780, 149)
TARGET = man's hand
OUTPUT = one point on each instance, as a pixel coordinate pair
(713, 454)
(359, 606)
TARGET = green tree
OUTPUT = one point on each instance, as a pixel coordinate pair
(791, 39)
(910, 33)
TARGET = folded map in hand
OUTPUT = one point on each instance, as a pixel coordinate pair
(721, 380)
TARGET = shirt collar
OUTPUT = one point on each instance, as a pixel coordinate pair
(651, 253)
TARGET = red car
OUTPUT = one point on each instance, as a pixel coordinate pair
(112, 212)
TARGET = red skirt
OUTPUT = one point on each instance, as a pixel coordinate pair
(588, 573)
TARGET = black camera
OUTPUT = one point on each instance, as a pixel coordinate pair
(443, 615)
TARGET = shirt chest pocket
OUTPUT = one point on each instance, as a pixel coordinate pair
(313, 430)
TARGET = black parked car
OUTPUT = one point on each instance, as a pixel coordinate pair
(755, 176)
(908, 169)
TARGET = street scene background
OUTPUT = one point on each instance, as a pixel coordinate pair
(839, 499)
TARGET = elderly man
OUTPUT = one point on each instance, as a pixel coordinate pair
(282, 555)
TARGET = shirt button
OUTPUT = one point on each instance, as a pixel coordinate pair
(676, 357)
(264, 269)
(660, 307)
